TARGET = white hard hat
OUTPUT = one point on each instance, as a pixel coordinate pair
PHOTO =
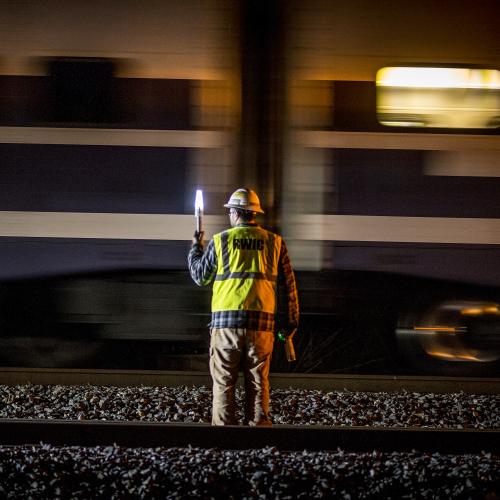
(245, 199)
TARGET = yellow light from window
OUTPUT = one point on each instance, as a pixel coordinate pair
(453, 356)
(472, 311)
(476, 311)
(414, 77)
(438, 97)
(492, 310)
(447, 329)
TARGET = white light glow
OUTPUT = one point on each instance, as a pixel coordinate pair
(198, 203)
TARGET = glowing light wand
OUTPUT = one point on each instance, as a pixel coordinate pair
(198, 209)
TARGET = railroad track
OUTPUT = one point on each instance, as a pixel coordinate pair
(284, 437)
(20, 431)
(330, 382)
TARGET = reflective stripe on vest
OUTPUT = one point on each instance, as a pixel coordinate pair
(247, 269)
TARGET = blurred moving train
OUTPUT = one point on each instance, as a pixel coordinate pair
(369, 130)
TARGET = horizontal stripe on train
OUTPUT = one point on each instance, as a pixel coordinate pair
(114, 137)
(396, 229)
(302, 227)
(218, 139)
(396, 140)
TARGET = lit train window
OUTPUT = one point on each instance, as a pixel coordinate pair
(438, 97)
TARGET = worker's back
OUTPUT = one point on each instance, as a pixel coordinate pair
(247, 269)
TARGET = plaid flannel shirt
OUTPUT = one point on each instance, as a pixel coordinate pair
(203, 268)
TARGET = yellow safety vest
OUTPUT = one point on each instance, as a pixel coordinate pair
(247, 269)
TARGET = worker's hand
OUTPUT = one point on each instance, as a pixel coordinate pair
(198, 238)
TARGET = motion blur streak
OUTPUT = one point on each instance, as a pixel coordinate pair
(435, 329)
(103, 225)
(397, 229)
(113, 113)
(114, 137)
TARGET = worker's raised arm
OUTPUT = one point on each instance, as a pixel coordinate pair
(202, 265)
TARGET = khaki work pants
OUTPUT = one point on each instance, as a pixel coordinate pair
(230, 350)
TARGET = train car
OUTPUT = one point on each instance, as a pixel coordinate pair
(112, 115)
(393, 167)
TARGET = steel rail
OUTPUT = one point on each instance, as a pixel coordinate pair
(284, 437)
(328, 382)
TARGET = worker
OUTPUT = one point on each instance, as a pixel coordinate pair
(247, 265)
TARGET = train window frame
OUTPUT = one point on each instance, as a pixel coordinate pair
(438, 96)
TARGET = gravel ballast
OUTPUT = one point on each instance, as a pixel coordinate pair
(288, 406)
(176, 473)
(53, 472)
